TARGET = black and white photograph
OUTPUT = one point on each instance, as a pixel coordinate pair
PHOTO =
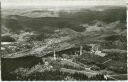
(63, 40)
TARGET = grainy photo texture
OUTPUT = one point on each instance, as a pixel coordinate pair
(63, 40)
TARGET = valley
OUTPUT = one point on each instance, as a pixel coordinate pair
(83, 45)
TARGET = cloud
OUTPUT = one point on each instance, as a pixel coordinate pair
(59, 3)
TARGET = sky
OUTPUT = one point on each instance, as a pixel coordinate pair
(59, 3)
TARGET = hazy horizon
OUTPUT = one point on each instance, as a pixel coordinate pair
(59, 3)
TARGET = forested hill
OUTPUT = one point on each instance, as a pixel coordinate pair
(16, 22)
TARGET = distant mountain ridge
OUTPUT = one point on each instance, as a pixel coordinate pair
(50, 20)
